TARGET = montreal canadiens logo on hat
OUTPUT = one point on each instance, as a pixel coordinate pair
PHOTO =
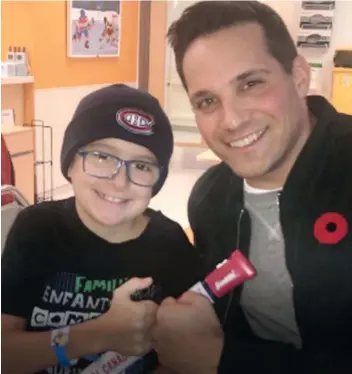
(135, 121)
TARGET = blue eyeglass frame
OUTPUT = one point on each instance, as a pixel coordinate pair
(121, 163)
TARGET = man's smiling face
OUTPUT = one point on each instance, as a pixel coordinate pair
(249, 110)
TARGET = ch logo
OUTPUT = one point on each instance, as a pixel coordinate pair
(330, 228)
(135, 121)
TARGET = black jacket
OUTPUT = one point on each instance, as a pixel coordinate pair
(320, 182)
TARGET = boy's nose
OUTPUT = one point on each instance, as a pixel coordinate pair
(120, 179)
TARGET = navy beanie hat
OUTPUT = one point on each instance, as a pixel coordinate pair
(123, 112)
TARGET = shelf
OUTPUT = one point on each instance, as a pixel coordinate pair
(17, 93)
(14, 129)
(208, 156)
(186, 137)
(5, 81)
(342, 70)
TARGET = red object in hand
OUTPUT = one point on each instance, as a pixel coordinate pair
(230, 274)
(326, 236)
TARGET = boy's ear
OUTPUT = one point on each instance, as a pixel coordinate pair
(72, 168)
(69, 171)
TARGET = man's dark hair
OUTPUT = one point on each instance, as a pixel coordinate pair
(206, 17)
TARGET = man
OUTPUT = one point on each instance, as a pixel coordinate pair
(282, 195)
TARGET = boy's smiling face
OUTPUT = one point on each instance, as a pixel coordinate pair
(109, 203)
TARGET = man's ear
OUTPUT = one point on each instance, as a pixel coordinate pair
(301, 75)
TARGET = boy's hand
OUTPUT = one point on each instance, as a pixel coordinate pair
(127, 326)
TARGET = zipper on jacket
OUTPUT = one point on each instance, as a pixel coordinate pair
(238, 229)
(283, 238)
(238, 233)
(291, 281)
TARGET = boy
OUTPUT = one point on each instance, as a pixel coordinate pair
(70, 262)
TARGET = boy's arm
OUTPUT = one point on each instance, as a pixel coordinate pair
(124, 328)
(23, 263)
(28, 352)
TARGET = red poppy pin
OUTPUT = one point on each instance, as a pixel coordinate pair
(330, 228)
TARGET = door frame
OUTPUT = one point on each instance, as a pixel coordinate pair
(143, 44)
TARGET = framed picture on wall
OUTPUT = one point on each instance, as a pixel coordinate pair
(93, 28)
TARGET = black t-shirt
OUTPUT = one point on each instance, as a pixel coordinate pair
(56, 272)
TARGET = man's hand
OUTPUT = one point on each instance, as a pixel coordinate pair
(188, 336)
(127, 326)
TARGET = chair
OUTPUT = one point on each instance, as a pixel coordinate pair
(7, 171)
(10, 211)
(189, 234)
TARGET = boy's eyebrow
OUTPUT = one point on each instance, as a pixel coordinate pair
(145, 158)
(238, 78)
(101, 146)
(113, 151)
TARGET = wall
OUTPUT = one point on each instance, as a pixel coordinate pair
(60, 82)
(157, 48)
(44, 35)
(341, 35)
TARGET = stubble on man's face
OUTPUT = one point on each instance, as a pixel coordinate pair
(249, 111)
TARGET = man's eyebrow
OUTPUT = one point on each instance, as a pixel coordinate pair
(245, 75)
(238, 78)
(199, 95)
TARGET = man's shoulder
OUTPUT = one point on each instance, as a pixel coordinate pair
(216, 192)
(344, 128)
(336, 126)
(341, 124)
(215, 182)
(340, 138)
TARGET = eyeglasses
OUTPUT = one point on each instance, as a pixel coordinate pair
(105, 166)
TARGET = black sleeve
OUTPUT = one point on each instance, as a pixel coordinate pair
(200, 205)
(241, 352)
(21, 266)
(253, 355)
(187, 265)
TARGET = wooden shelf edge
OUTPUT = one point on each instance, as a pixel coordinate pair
(6, 81)
(15, 129)
(208, 156)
